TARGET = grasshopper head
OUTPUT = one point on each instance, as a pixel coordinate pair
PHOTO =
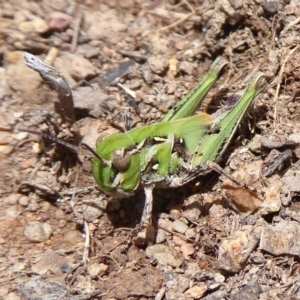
(116, 169)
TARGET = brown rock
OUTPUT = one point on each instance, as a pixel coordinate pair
(231, 251)
(165, 255)
(38, 232)
(197, 291)
(18, 76)
(36, 25)
(282, 238)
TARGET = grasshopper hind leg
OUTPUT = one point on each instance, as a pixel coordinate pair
(203, 169)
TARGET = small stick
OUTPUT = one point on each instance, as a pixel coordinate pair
(287, 28)
(186, 17)
(75, 36)
(280, 75)
(166, 14)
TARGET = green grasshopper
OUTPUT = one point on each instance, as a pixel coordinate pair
(169, 153)
(174, 151)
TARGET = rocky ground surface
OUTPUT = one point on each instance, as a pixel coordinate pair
(61, 238)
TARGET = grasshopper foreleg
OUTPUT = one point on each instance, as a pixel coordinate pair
(147, 212)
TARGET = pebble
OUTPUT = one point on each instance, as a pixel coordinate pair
(37, 25)
(13, 212)
(37, 232)
(187, 250)
(219, 277)
(231, 251)
(181, 44)
(34, 206)
(66, 268)
(161, 236)
(81, 68)
(6, 149)
(237, 4)
(165, 224)
(44, 216)
(192, 269)
(272, 199)
(59, 21)
(6, 138)
(51, 262)
(104, 25)
(62, 223)
(250, 291)
(71, 238)
(192, 214)
(244, 200)
(19, 17)
(45, 205)
(190, 233)
(90, 213)
(281, 238)
(175, 212)
(178, 241)
(36, 288)
(18, 76)
(173, 67)
(22, 136)
(92, 227)
(196, 291)
(92, 53)
(158, 65)
(88, 51)
(295, 137)
(12, 199)
(59, 214)
(62, 65)
(95, 269)
(72, 67)
(183, 283)
(13, 296)
(165, 255)
(179, 226)
(172, 294)
(24, 201)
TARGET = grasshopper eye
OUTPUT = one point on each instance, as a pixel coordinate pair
(121, 160)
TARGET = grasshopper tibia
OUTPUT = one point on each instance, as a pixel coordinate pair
(208, 166)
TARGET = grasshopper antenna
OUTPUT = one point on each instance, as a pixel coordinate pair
(87, 147)
(61, 142)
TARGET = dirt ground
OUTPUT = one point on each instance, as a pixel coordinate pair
(62, 238)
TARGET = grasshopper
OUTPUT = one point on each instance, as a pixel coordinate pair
(174, 151)
(169, 153)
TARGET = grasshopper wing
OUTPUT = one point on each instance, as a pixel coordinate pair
(190, 131)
